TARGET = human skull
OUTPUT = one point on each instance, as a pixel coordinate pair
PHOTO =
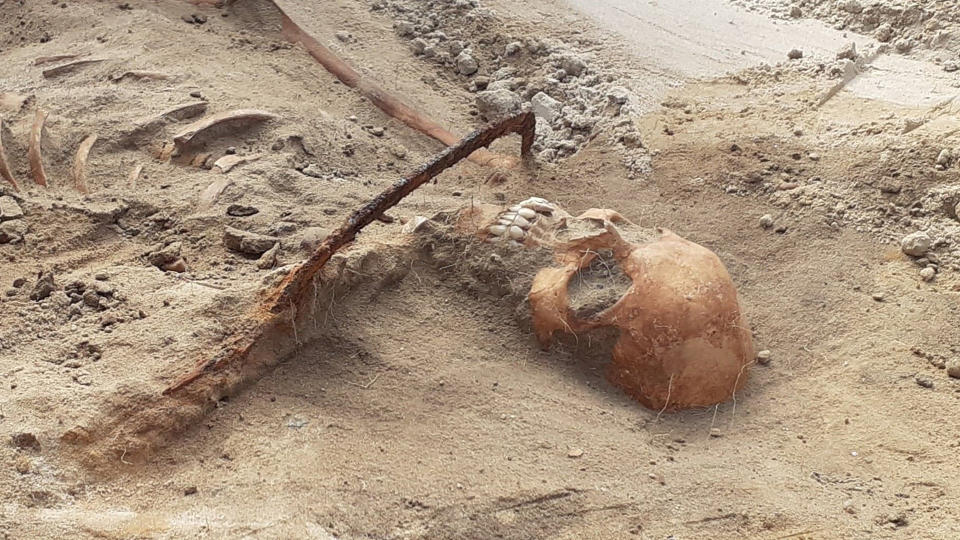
(682, 339)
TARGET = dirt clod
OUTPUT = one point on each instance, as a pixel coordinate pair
(25, 441)
(246, 242)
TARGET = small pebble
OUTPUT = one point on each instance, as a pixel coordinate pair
(924, 381)
(953, 368)
(763, 357)
(849, 507)
(795, 54)
(878, 297)
(716, 433)
(916, 244)
(927, 274)
(575, 453)
(766, 221)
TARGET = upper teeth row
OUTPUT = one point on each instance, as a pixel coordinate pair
(517, 220)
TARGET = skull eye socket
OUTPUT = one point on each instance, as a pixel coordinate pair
(597, 285)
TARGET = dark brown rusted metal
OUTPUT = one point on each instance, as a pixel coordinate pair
(298, 282)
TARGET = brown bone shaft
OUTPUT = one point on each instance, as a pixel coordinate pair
(33, 150)
(294, 286)
(80, 164)
(4, 164)
(380, 97)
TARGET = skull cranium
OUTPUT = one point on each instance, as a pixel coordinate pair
(683, 342)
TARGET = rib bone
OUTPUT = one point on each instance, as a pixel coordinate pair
(197, 128)
(4, 164)
(80, 164)
(33, 151)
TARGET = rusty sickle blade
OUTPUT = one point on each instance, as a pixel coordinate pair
(297, 283)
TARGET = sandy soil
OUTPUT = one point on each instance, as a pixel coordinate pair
(419, 405)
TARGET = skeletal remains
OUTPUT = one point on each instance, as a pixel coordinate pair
(682, 340)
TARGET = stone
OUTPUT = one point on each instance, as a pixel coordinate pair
(545, 107)
(575, 453)
(404, 28)
(343, 36)
(312, 237)
(418, 45)
(480, 83)
(43, 288)
(108, 319)
(455, 47)
(179, 266)
(848, 52)
(313, 170)
(849, 507)
(246, 242)
(795, 54)
(944, 158)
(763, 357)
(269, 258)
(573, 65)
(466, 64)
(916, 244)
(239, 210)
(498, 104)
(796, 12)
(9, 209)
(950, 67)
(766, 221)
(91, 299)
(903, 45)
(927, 274)
(160, 255)
(513, 48)
(890, 185)
(953, 368)
(618, 95)
(924, 381)
(884, 33)
(852, 6)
